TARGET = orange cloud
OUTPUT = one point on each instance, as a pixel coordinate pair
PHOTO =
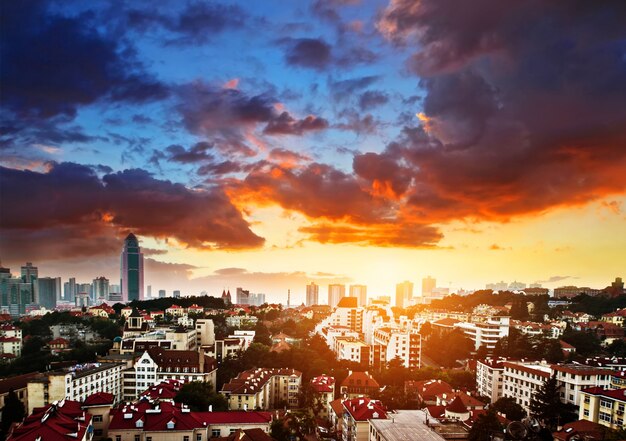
(231, 84)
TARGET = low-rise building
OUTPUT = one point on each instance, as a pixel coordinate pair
(603, 406)
(99, 407)
(17, 384)
(263, 388)
(324, 388)
(237, 321)
(358, 384)
(358, 412)
(351, 349)
(403, 425)
(75, 383)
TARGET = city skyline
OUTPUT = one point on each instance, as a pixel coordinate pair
(352, 142)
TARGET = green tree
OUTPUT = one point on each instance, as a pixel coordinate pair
(199, 396)
(485, 426)
(262, 334)
(12, 412)
(509, 407)
(482, 352)
(546, 405)
(586, 343)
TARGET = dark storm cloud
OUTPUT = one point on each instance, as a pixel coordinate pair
(344, 89)
(196, 153)
(285, 124)
(52, 64)
(73, 195)
(312, 53)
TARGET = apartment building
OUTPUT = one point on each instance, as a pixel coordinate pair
(403, 425)
(75, 383)
(603, 406)
(486, 333)
(358, 412)
(389, 343)
(351, 349)
(520, 380)
(324, 388)
(489, 378)
(237, 321)
(263, 388)
(573, 378)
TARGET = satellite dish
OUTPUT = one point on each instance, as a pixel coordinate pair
(517, 430)
(533, 424)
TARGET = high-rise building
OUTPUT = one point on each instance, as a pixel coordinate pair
(312, 294)
(131, 267)
(29, 272)
(404, 293)
(149, 292)
(100, 289)
(243, 296)
(15, 294)
(48, 291)
(428, 285)
(161, 293)
(176, 293)
(336, 292)
(69, 290)
(360, 292)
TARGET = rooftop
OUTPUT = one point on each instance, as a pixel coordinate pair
(405, 425)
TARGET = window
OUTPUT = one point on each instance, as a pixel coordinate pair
(137, 437)
(602, 416)
(586, 412)
(97, 418)
(606, 403)
(199, 437)
(118, 437)
(185, 438)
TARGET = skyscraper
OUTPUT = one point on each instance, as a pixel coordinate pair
(70, 289)
(100, 289)
(29, 274)
(404, 293)
(131, 270)
(162, 293)
(428, 285)
(360, 292)
(336, 292)
(312, 294)
(48, 293)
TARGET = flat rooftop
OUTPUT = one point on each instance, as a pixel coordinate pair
(405, 425)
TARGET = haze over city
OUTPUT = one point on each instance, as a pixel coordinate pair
(270, 144)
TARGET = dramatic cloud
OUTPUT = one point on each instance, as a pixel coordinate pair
(54, 64)
(197, 153)
(372, 99)
(285, 124)
(72, 195)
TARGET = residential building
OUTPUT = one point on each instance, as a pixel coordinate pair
(176, 294)
(567, 292)
(17, 384)
(263, 388)
(390, 343)
(312, 294)
(520, 380)
(352, 349)
(489, 378)
(486, 333)
(603, 406)
(242, 296)
(575, 377)
(428, 391)
(99, 406)
(358, 412)
(359, 292)
(241, 320)
(162, 294)
(75, 383)
(131, 269)
(336, 292)
(536, 291)
(346, 314)
(15, 293)
(205, 332)
(324, 388)
(404, 294)
(358, 384)
(158, 364)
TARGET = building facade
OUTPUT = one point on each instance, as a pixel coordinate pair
(131, 267)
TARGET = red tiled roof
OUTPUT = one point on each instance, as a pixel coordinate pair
(59, 341)
(360, 379)
(253, 380)
(323, 383)
(99, 399)
(348, 302)
(9, 339)
(565, 345)
(56, 422)
(582, 428)
(429, 389)
(167, 390)
(436, 411)
(618, 394)
(15, 383)
(456, 406)
(337, 406)
(363, 409)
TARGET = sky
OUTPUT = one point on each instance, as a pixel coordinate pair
(270, 144)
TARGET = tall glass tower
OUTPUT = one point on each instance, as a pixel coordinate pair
(131, 267)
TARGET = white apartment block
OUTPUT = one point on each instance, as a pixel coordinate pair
(351, 349)
(575, 377)
(75, 384)
(489, 378)
(205, 332)
(486, 333)
(390, 343)
(237, 321)
(520, 380)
